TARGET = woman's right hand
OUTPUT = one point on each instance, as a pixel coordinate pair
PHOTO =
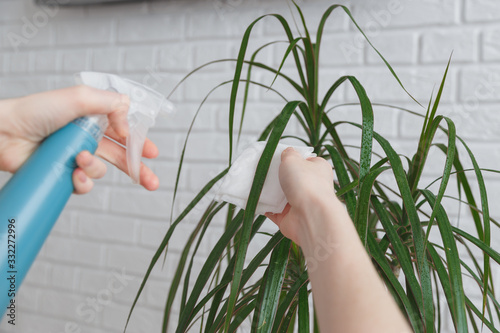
(308, 186)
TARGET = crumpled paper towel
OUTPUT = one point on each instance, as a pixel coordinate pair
(237, 182)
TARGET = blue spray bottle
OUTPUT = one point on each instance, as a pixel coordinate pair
(34, 197)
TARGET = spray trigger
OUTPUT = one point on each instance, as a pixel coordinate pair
(145, 105)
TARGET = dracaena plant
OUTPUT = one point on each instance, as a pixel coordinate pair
(393, 222)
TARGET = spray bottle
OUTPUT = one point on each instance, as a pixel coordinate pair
(34, 197)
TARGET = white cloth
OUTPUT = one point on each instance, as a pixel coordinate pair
(237, 182)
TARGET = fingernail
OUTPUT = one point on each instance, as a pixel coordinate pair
(288, 149)
(89, 160)
(83, 177)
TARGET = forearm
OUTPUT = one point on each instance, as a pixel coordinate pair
(338, 265)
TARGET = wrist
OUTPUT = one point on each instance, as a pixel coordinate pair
(324, 219)
(6, 109)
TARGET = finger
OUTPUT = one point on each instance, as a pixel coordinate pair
(148, 179)
(272, 216)
(277, 218)
(81, 182)
(118, 118)
(289, 153)
(150, 150)
(71, 103)
(116, 156)
(91, 165)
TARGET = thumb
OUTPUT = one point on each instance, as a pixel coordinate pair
(79, 101)
(289, 153)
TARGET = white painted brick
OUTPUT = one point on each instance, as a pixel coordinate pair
(27, 299)
(183, 199)
(374, 16)
(3, 43)
(487, 155)
(142, 320)
(69, 33)
(116, 284)
(11, 10)
(139, 59)
(58, 303)
(38, 273)
(74, 61)
(169, 144)
(73, 251)
(150, 28)
(132, 259)
(217, 50)
(59, 82)
(437, 46)
(64, 224)
(21, 35)
(200, 174)
(167, 174)
(46, 61)
(107, 59)
(157, 293)
(341, 50)
(127, 9)
(152, 232)
(281, 86)
(140, 202)
(44, 323)
(96, 200)
(222, 24)
(385, 120)
(13, 87)
(396, 47)
(491, 44)
(481, 10)
(181, 119)
(20, 62)
(203, 148)
(176, 57)
(420, 83)
(37, 12)
(201, 84)
(479, 84)
(313, 12)
(63, 277)
(106, 228)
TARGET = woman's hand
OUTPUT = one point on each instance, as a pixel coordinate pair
(349, 296)
(26, 121)
(308, 186)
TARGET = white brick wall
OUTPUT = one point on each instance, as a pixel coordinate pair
(115, 230)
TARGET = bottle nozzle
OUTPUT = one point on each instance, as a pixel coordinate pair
(145, 105)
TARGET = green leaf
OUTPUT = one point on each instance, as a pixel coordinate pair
(379, 258)
(450, 157)
(270, 290)
(288, 300)
(257, 184)
(363, 204)
(453, 260)
(416, 228)
(304, 310)
(239, 66)
(247, 274)
(399, 249)
(343, 178)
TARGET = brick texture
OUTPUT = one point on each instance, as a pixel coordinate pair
(106, 239)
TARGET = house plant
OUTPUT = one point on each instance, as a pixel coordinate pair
(394, 223)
